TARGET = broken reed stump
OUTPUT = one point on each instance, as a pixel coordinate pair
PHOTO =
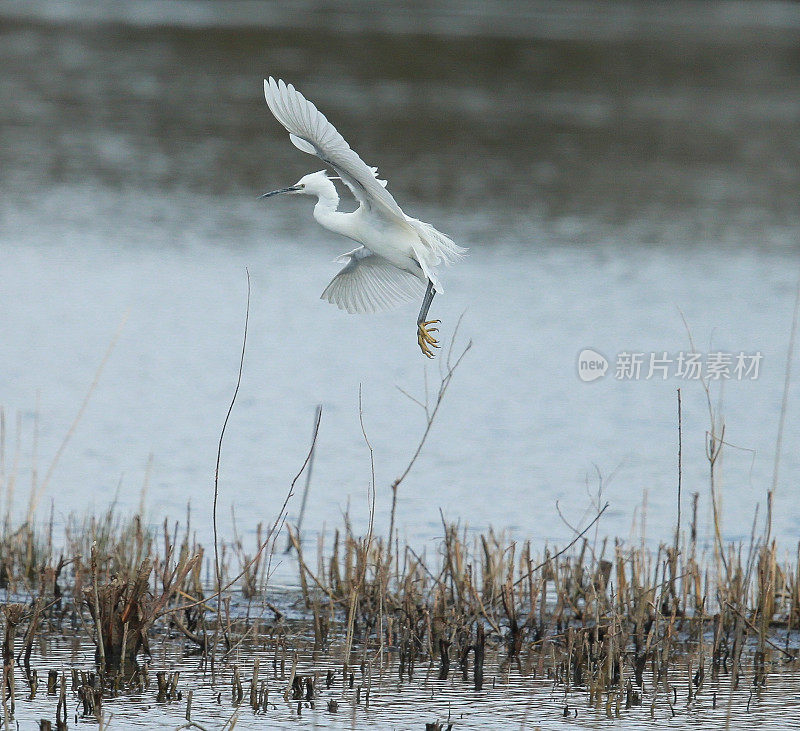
(444, 655)
(123, 609)
(480, 653)
(237, 692)
(14, 614)
(61, 706)
(91, 697)
(31, 631)
(33, 681)
(254, 699)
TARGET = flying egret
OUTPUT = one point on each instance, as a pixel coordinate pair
(396, 259)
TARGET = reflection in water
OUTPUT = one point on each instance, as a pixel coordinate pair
(605, 183)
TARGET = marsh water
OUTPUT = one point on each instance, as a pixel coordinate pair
(509, 698)
(614, 173)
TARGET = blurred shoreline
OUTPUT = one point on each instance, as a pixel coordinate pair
(730, 21)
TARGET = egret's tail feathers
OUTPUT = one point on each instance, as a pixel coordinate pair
(369, 283)
(438, 247)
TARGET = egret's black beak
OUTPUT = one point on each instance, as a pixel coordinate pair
(290, 189)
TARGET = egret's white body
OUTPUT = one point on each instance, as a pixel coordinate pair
(398, 254)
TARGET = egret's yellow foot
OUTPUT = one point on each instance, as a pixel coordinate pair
(424, 338)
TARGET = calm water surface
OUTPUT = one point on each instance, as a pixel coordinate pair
(608, 184)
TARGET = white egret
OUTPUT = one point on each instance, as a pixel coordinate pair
(397, 256)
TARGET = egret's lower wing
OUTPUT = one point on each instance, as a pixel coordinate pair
(369, 283)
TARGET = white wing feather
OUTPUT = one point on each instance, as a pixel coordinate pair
(310, 131)
(369, 283)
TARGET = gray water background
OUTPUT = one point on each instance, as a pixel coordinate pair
(613, 168)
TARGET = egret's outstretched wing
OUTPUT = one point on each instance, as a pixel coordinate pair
(311, 132)
(369, 283)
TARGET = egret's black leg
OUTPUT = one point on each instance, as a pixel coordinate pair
(424, 338)
(426, 303)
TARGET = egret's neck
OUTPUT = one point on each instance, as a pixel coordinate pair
(328, 200)
(325, 211)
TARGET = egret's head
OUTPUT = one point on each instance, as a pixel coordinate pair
(318, 184)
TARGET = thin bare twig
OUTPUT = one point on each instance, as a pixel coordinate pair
(566, 548)
(362, 574)
(272, 534)
(430, 417)
(217, 566)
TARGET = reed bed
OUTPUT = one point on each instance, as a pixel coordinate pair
(623, 625)
(592, 617)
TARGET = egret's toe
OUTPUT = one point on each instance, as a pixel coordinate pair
(425, 339)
